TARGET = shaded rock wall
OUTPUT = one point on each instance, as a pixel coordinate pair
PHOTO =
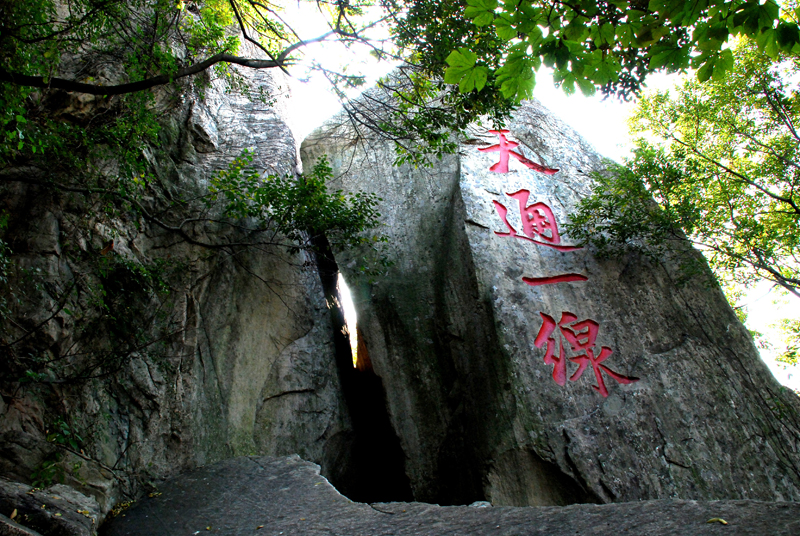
(245, 362)
(452, 331)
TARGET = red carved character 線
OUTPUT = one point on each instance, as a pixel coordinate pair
(582, 337)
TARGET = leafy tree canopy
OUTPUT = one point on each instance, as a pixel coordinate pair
(57, 44)
(722, 161)
(611, 44)
(480, 54)
(125, 47)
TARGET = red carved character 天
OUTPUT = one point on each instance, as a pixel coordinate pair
(504, 148)
(582, 337)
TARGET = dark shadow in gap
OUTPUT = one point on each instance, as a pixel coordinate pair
(368, 463)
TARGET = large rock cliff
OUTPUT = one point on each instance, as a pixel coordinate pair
(505, 362)
(524, 370)
(234, 356)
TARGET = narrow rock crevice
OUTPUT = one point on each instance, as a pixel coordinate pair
(367, 464)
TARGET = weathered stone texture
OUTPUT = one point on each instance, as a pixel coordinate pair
(247, 496)
(451, 332)
(57, 511)
(8, 527)
(250, 369)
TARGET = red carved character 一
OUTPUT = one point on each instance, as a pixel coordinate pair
(504, 148)
(581, 337)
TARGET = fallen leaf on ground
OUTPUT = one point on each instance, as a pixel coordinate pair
(717, 520)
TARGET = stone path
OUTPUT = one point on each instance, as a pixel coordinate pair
(261, 496)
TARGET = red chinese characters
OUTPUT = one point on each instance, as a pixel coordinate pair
(568, 339)
(538, 222)
(582, 337)
(504, 148)
(540, 227)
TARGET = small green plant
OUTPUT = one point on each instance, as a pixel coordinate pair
(34, 377)
(300, 209)
(62, 434)
(53, 469)
(48, 472)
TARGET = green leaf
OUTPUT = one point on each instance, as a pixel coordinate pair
(671, 57)
(576, 31)
(768, 13)
(463, 57)
(480, 11)
(519, 90)
(607, 32)
(768, 42)
(566, 80)
(504, 29)
(587, 87)
(788, 36)
(453, 75)
(624, 35)
(725, 62)
(474, 79)
(705, 72)
(462, 62)
(518, 82)
(650, 34)
(487, 5)
(484, 19)
(606, 71)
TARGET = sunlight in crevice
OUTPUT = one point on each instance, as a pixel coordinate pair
(349, 317)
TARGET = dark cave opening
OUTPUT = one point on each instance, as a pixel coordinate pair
(375, 464)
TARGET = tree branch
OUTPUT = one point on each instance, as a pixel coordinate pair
(751, 182)
(23, 175)
(120, 89)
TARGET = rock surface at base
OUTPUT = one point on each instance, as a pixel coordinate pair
(9, 528)
(55, 511)
(271, 496)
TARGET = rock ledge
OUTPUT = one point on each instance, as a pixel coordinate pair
(272, 496)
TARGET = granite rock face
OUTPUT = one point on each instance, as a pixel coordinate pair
(522, 370)
(58, 511)
(246, 496)
(247, 366)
